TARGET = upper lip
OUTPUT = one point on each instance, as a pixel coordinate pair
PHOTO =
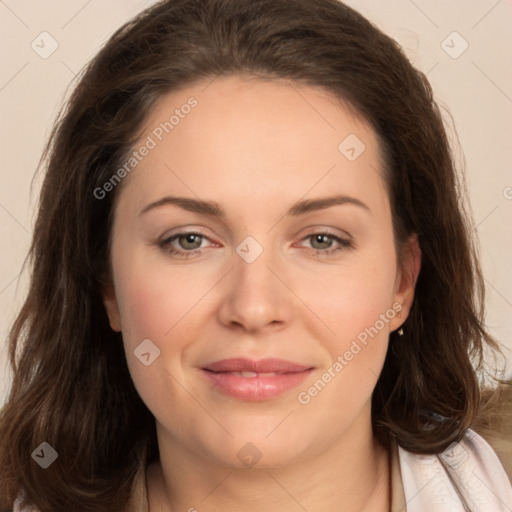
(242, 364)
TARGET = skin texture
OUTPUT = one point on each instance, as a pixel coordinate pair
(257, 147)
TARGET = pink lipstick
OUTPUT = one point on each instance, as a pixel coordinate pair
(255, 380)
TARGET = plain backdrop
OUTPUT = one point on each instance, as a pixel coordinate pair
(464, 47)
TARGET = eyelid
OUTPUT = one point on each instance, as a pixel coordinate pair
(313, 230)
(185, 230)
(344, 241)
(167, 239)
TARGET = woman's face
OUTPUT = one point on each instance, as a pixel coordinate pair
(276, 270)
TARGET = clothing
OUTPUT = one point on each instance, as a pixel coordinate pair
(467, 476)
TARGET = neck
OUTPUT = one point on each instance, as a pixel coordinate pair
(351, 475)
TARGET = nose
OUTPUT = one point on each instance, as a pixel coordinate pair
(256, 297)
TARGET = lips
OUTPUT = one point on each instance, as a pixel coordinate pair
(247, 379)
(269, 365)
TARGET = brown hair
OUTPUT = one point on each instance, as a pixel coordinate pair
(71, 384)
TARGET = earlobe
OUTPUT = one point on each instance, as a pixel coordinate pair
(112, 309)
(408, 276)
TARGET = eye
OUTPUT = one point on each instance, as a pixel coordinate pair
(323, 241)
(191, 241)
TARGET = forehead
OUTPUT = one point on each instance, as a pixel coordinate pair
(238, 136)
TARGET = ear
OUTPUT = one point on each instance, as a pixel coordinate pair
(407, 277)
(112, 308)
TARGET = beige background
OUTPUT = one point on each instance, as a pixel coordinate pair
(475, 85)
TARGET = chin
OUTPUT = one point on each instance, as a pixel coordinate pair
(252, 449)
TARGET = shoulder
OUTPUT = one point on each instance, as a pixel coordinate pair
(467, 476)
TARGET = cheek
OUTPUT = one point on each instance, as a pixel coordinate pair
(355, 305)
(152, 310)
(143, 309)
(152, 301)
(353, 298)
(355, 353)
(165, 308)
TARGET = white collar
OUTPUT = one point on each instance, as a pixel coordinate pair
(467, 476)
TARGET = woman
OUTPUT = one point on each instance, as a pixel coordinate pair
(256, 368)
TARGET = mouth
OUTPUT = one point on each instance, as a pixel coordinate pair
(255, 380)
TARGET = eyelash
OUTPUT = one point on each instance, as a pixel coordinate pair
(344, 244)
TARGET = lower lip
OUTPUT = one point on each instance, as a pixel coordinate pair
(256, 388)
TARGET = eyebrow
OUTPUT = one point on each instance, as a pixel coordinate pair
(213, 209)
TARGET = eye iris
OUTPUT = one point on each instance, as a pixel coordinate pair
(189, 238)
(321, 238)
